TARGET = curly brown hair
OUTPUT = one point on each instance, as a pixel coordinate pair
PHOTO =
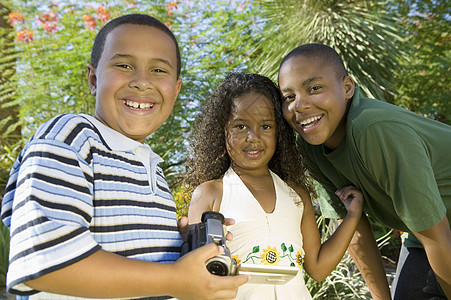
(208, 154)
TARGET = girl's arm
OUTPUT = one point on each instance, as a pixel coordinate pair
(206, 197)
(321, 259)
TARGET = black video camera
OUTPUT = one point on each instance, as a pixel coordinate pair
(212, 230)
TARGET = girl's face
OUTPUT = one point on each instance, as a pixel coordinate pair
(251, 133)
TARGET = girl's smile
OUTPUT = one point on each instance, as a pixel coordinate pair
(251, 132)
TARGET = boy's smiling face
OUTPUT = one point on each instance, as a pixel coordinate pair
(135, 82)
(315, 101)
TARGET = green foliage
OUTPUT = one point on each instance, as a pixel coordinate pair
(54, 43)
(182, 197)
(369, 40)
(423, 84)
(388, 241)
(9, 125)
(397, 50)
(51, 75)
(345, 282)
(4, 253)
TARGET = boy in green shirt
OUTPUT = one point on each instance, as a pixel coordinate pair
(399, 160)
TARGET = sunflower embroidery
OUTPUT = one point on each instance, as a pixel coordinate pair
(300, 258)
(235, 257)
(274, 256)
(270, 256)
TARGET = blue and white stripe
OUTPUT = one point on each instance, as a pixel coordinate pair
(76, 188)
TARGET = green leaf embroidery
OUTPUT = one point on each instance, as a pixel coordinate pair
(284, 248)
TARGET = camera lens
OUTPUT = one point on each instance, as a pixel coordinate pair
(217, 268)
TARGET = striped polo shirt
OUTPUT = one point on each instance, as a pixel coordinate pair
(79, 186)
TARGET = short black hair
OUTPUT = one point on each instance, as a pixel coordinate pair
(136, 19)
(327, 54)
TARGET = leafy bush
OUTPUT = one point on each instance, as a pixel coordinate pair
(345, 282)
(4, 253)
(182, 197)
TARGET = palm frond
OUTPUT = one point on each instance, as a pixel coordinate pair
(369, 40)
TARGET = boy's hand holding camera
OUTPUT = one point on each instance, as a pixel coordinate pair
(136, 82)
(213, 286)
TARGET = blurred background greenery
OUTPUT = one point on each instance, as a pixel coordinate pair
(397, 51)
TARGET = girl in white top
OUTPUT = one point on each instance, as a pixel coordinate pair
(246, 164)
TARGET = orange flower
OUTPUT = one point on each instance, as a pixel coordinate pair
(15, 17)
(50, 16)
(25, 36)
(89, 22)
(102, 14)
(131, 3)
(172, 5)
(87, 18)
(50, 26)
(101, 10)
(91, 25)
(168, 24)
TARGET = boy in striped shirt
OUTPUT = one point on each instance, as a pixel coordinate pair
(87, 204)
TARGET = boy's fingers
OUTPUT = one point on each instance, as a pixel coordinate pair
(182, 224)
(228, 285)
(184, 227)
(229, 236)
(242, 279)
(210, 250)
(232, 282)
(229, 221)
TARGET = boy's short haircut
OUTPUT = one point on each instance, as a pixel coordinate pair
(136, 19)
(327, 54)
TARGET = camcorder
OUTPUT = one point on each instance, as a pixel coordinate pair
(211, 230)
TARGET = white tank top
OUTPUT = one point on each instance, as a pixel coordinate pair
(265, 238)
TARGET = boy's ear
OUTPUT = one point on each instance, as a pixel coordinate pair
(178, 87)
(349, 87)
(92, 79)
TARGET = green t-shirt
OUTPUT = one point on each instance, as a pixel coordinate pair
(399, 160)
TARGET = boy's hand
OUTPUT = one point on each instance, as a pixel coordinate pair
(183, 227)
(193, 281)
(352, 198)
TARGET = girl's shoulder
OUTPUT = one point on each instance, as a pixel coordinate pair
(211, 187)
(207, 196)
(300, 190)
